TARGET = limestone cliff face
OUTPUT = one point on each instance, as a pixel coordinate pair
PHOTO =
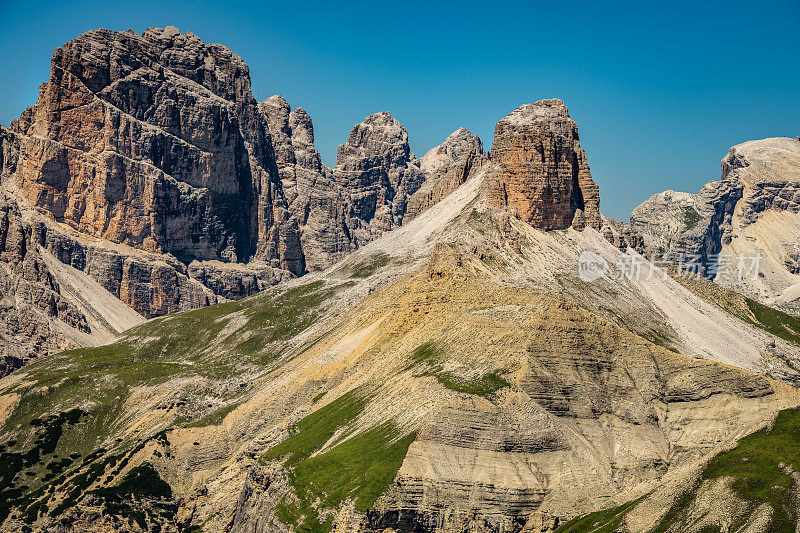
(155, 141)
(31, 301)
(544, 175)
(752, 211)
(379, 172)
(446, 168)
(316, 202)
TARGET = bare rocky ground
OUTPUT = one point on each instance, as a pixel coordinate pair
(752, 211)
(445, 364)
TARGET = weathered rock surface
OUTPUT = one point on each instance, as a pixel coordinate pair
(753, 211)
(380, 173)
(544, 175)
(40, 314)
(519, 392)
(447, 167)
(155, 141)
(317, 203)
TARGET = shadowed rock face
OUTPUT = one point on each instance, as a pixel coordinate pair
(317, 204)
(544, 175)
(156, 142)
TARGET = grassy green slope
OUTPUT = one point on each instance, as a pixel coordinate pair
(61, 436)
(357, 467)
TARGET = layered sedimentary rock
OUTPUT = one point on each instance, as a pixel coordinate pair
(379, 172)
(151, 153)
(749, 219)
(446, 168)
(471, 387)
(544, 175)
(155, 141)
(47, 306)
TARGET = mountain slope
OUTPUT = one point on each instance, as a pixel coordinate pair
(148, 165)
(752, 212)
(450, 360)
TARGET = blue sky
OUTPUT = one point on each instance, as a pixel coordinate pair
(660, 91)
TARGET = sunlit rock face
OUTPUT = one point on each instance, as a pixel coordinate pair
(544, 175)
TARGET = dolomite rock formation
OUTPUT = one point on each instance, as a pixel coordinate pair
(151, 154)
(458, 144)
(315, 200)
(474, 387)
(148, 168)
(379, 172)
(544, 175)
(156, 142)
(45, 306)
(752, 211)
(446, 168)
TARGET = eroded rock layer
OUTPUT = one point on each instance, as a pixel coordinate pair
(380, 173)
(742, 230)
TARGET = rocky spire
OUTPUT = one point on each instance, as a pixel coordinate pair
(544, 175)
(379, 171)
(455, 146)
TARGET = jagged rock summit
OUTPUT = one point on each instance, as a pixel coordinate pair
(458, 144)
(378, 169)
(544, 176)
(147, 167)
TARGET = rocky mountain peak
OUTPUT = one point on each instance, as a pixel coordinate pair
(379, 136)
(458, 144)
(765, 160)
(544, 175)
(377, 167)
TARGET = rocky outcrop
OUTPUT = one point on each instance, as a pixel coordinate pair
(155, 141)
(446, 167)
(544, 175)
(748, 219)
(316, 202)
(379, 172)
(621, 235)
(148, 162)
(32, 304)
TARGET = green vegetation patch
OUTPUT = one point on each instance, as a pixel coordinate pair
(142, 481)
(690, 217)
(778, 323)
(430, 355)
(755, 466)
(760, 467)
(606, 521)
(312, 432)
(359, 468)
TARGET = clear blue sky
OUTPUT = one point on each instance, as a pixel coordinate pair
(660, 91)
